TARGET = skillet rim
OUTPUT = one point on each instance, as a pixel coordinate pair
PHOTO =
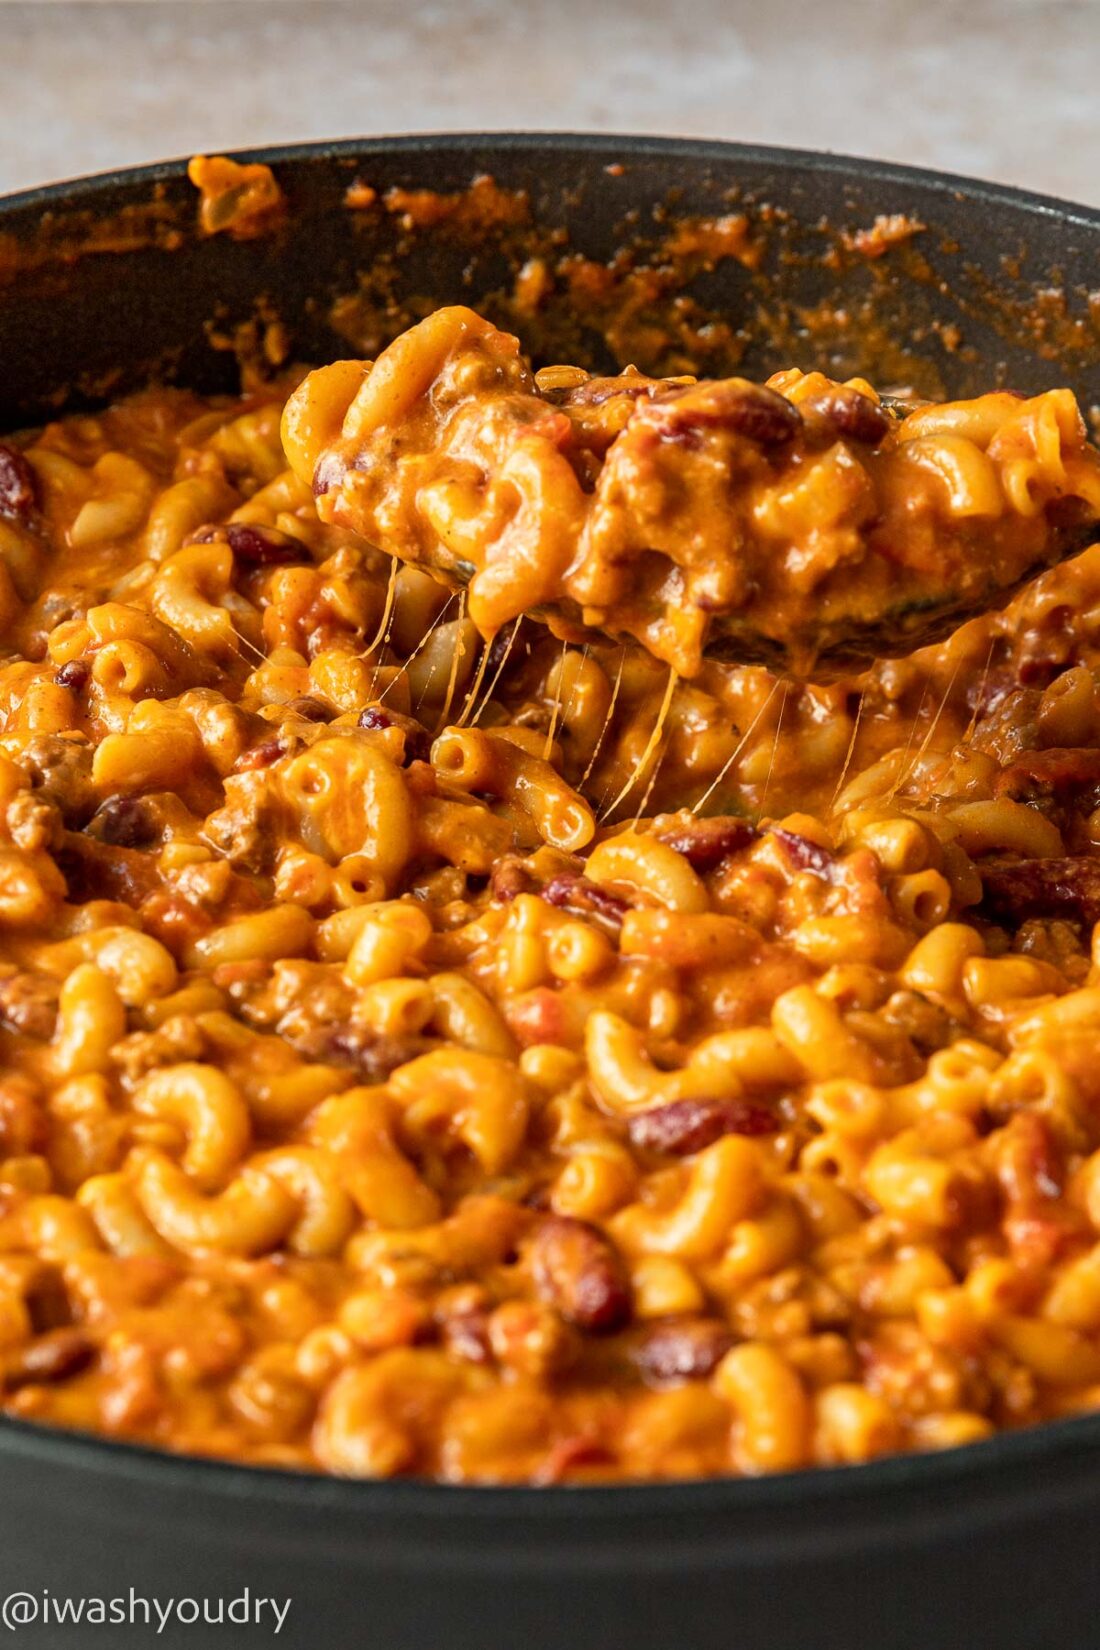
(973, 1467)
(812, 161)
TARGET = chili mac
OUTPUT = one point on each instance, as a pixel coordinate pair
(505, 1061)
(800, 521)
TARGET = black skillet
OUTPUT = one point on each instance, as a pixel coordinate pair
(105, 285)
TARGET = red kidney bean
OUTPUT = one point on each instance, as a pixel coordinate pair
(374, 1057)
(705, 843)
(74, 676)
(681, 1349)
(264, 546)
(126, 822)
(261, 755)
(418, 741)
(686, 1126)
(576, 893)
(254, 544)
(751, 411)
(847, 413)
(52, 1357)
(374, 719)
(803, 854)
(578, 1271)
(18, 485)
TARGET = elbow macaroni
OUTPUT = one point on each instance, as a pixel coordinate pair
(394, 1052)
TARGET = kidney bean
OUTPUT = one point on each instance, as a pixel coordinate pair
(681, 1349)
(803, 854)
(751, 411)
(18, 485)
(260, 756)
(578, 1271)
(74, 676)
(256, 545)
(704, 843)
(762, 415)
(374, 1057)
(418, 741)
(47, 1301)
(845, 412)
(265, 546)
(126, 822)
(512, 643)
(686, 1126)
(576, 893)
(52, 1357)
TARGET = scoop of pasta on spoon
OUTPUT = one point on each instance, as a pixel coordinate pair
(803, 524)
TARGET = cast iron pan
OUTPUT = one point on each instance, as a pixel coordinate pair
(106, 284)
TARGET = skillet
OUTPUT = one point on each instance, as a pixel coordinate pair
(106, 286)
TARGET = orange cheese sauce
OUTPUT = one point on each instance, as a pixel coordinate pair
(504, 1062)
(792, 521)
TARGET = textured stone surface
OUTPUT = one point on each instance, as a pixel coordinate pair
(1000, 88)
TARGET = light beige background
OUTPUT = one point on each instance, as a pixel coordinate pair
(1007, 89)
